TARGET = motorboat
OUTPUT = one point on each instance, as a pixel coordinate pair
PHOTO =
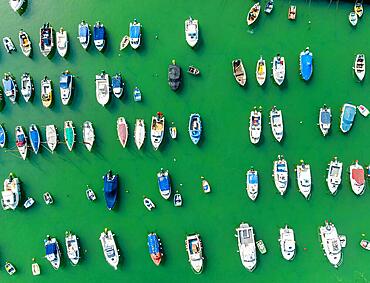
(46, 43)
(287, 243)
(157, 130)
(358, 8)
(357, 178)
(305, 64)
(62, 42)
(10, 87)
(73, 249)
(195, 127)
(110, 189)
(109, 248)
(137, 94)
(177, 199)
(174, 76)
(25, 43)
(278, 69)
(206, 186)
(331, 243)
(252, 184)
(363, 110)
(69, 134)
(246, 246)
(292, 12)
(51, 137)
(365, 244)
(135, 34)
(52, 251)
(239, 72)
(122, 131)
(46, 92)
(35, 268)
(88, 134)
(66, 85)
(193, 71)
(255, 126)
(281, 174)
(12, 192)
(34, 137)
(21, 142)
(353, 18)
(27, 87)
(90, 194)
(9, 268)
(325, 120)
(28, 203)
(191, 31)
(84, 34)
(124, 42)
(194, 249)
(117, 85)
(173, 132)
(304, 179)
(155, 249)
(269, 6)
(8, 44)
(347, 117)
(99, 36)
(360, 66)
(164, 183)
(149, 204)
(102, 88)
(253, 14)
(261, 71)
(261, 247)
(276, 122)
(16, 5)
(139, 133)
(334, 177)
(2, 136)
(48, 199)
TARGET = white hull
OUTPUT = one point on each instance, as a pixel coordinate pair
(287, 243)
(51, 137)
(255, 126)
(25, 44)
(109, 248)
(84, 40)
(88, 135)
(22, 148)
(135, 42)
(360, 66)
(102, 89)
(62, 42)
(357, 187)
(26, 87)
(247, 246)
(252, 188)
(139, 133)
(277, 125)
(331, 244)
(157, 131)
(194, 249)
(11, 193)
(16, 4)
(334, 177)
(278, 70)
(73, 250)
(324, 125)
(191, 32)
(261, 71)
(281, 175)
(54, 259)
(304, 179)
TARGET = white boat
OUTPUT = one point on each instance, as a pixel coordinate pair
(102, 88)
(206, 186)
(357, 178)
(48, 199)
(253, 14)
(10, 87)
(28, 203)
(191, 31)
(334, 177)
(8, 44)
(363, 110)
(278, 69)
(11, 194)
(65, 84)
(16, 5)
(177, 199)
(109, 248)
(157, 130)
(239, 72)
(287, 243)
(353, 18)
(73, 249)
(88, 134)
(124, 42)
(135, 34)
(25, 43)
(52, 251)
(252, 184)
(281, 174)
(246, 246)
(69, 134)
(325, 120)
(255, 125)
(62, 42)
(35, 268)
(139, 133)
(90, 194)
(9, 268)
(46, 92)
(304, 179)
(27, 87)
(51, 137)
(149, 204)
(360, 66)
(331, 244)
(21, 142)
(276, 122)
(194, 249)
(84, 34)
(173, 132)
(261, 71)
(46, 42)
(261, 247)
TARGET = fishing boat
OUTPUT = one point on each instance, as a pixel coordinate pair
(25, 43)
(10, 87)
(46, 92)
(261, 247)
(155, 250)
(9, 268)
(2, 136)
(304, 179)
(357, 178)
(191, 31)
(194, 248)
(52, 251)
(360, 66)
(195, 127)
(28, 203)
(255, 125)
(27, 87)
(177, 199)
(363, 110)
(157, 130)
(253, 14)
(21, 141)
(305, 64)
(193, 71)
(347, 117)
(269, 6)
(117, 85)
(164, 183)
(34, 136)
(331, 243)
(102, 88)
(334, 177)
(124, 42)
(276, 122)
(51, 137)
(292, 12)
(139, 133)
(88, 135)
(99, 36)
(16, 5)
(69, 134)
(35, 268)
(173, 132)
(12, 192)
(353, 18)
(137, 94)
(174, 76)
(122, 131)
(325, 120)
(246, 246)
(110, 189)
(62, 42)
(278, 69)
(287, 243)
(239, 72)
(135, 34)
(261, 71)
(66, 84)
(365, 244)
(109, 248)
(8, 44)
(149, 204)
(46, 43)
(73, 249)
(252, 184)
(358, 8)
(206, 186)
(48, 199)
(90, 194)
(84, 34)
(281, 174)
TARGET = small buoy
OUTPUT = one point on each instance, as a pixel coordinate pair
(174, 159)
(85, 251)
(363, 235)
(126, 191)
(305, 249)
(119, 55)
(180, 184)
(309, 22)
(156, 37)
(300, 122)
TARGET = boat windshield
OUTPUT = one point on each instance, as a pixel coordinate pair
(84, 31)
(281, 168)
(8, 84)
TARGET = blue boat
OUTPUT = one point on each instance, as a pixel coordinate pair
(117, 85)
(99, 36)
(34, 138)
(110, 189)
(84, 34)
(347, 117)
(135, 34)
(305, 61)
(2, 136)
(154, 246)
(164, 184)
(137, 94)
(10, 87)
(195, 127)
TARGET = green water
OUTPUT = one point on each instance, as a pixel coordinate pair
(223, 155)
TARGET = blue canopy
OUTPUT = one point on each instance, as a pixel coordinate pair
(51, 248)
(8, 84)
(164, 183)
(99, 32)
(134, 31)
(116, 81)
(325, 117)
(34, 137)
(252, 178)
(153, 244)
(306, 65)
(348, 116)
(65, 81)
(84, 31)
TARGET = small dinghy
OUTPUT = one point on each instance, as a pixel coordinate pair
(253, 14)
(357, 178)
(73, 249)
(21, 142)
(164, 183)
(363, 110)
(84, 34)
(174, 76)
(292, 12)
(193, 71)
(304, 179)
(51, 137)
(52, 251)
(9, 268)
(347, 117)
(27, 87)
(173, 132)
(16, 5)
(191, 31)
(28, 203)
(195, 127)
(46, 43)
(69, 134)
(261, 71)
(281, 174)
(325, 120)
(66, 84)
(252, 184)
(117, 85)
(177, 199)
(278, 69)
(99, 36)
(269, 6)
(287, 243)
(276, 122)
(12, 192)
(8, 44)
(246, 246)
(124, 42)
(35, 268)
(88, 135)
(305, 64)
(122, 131)
(34, 136)
(360, 66)
(10, 87)
(46, 92)
(48, 199)
(62, 42)
(206, 186)
(334, 177)
(109, 248)
(255, 126)
(135, 34)
(155, 248)
(149, 204)
(137, 94)
(139, 133)
(25, 43)
(239, 72)
(358, 8)
(331, 244)
(353, 18)
(90, 194)
(2, 136)
(102, 88)
(157, 130)
(261, 247)
(365, 244)
(194, 249)
(110, 189)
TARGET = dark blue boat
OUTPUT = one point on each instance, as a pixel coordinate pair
(110, 189)
(99, 36)
(195, 128)
(305, 61)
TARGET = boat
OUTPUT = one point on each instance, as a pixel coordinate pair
(255, 126)
(21, 142)
(2, 136)
(117, 85)
(62, 42)
(157, 130)
(69, 134)
(334, 177)
(124, 42)
(360, 66)
(239, 72)
(155, 249)
(122, 131)
(191, 31)
(73, 249)
(195, 127)
(149, 204)
(368, 171)
(88, 134)
(48, 199)
(8, 44)
(66, 84)
(174, 76)
(12, 192)
(252, 184)
(305, 64)
(261, 71)
(135, 34)
(16, 5)
(90, 194)
(325, 120)
(46, 43)
(269, 6)
(353, 18)
(28, 203)
(292, 12)
(193, 71)
(177, 199)
(278, 69)
(51, 137)
(25, 43)
(137, 94)
(304, 179)
(276, 122)
(173, 132)
(139, 133)
(84, 34)
(99, 36)
(102, 88)
(46, 92)
(253, 14)
(34, 136)
(9, 268)
(10, 87)
(287, 243)
(261, 247)
(194, 249)
(110, 189)
(27, 87)
(343, 240)
(365, 244)
(357, 178)
(281, 174)
(52, 251)
(246, 246)
(164, 183)
(331, 244)
(363, 110)
(109, 248)
(206, 186)
(358, 8)
(35, 268)
(347, 117)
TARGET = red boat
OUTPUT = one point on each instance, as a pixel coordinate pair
(122, 131)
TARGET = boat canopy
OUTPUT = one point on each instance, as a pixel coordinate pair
(349, 113)
(116, 81)
(325, 117)
(252, 178)
(84, 31)
(8, 84)
(46, 36)
(164, 183)
(358, 176)
(153, 244)
(99, 32)
(134, 31)
(65, 81)
(51, 248)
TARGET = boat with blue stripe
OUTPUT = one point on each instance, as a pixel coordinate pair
(305, 62)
